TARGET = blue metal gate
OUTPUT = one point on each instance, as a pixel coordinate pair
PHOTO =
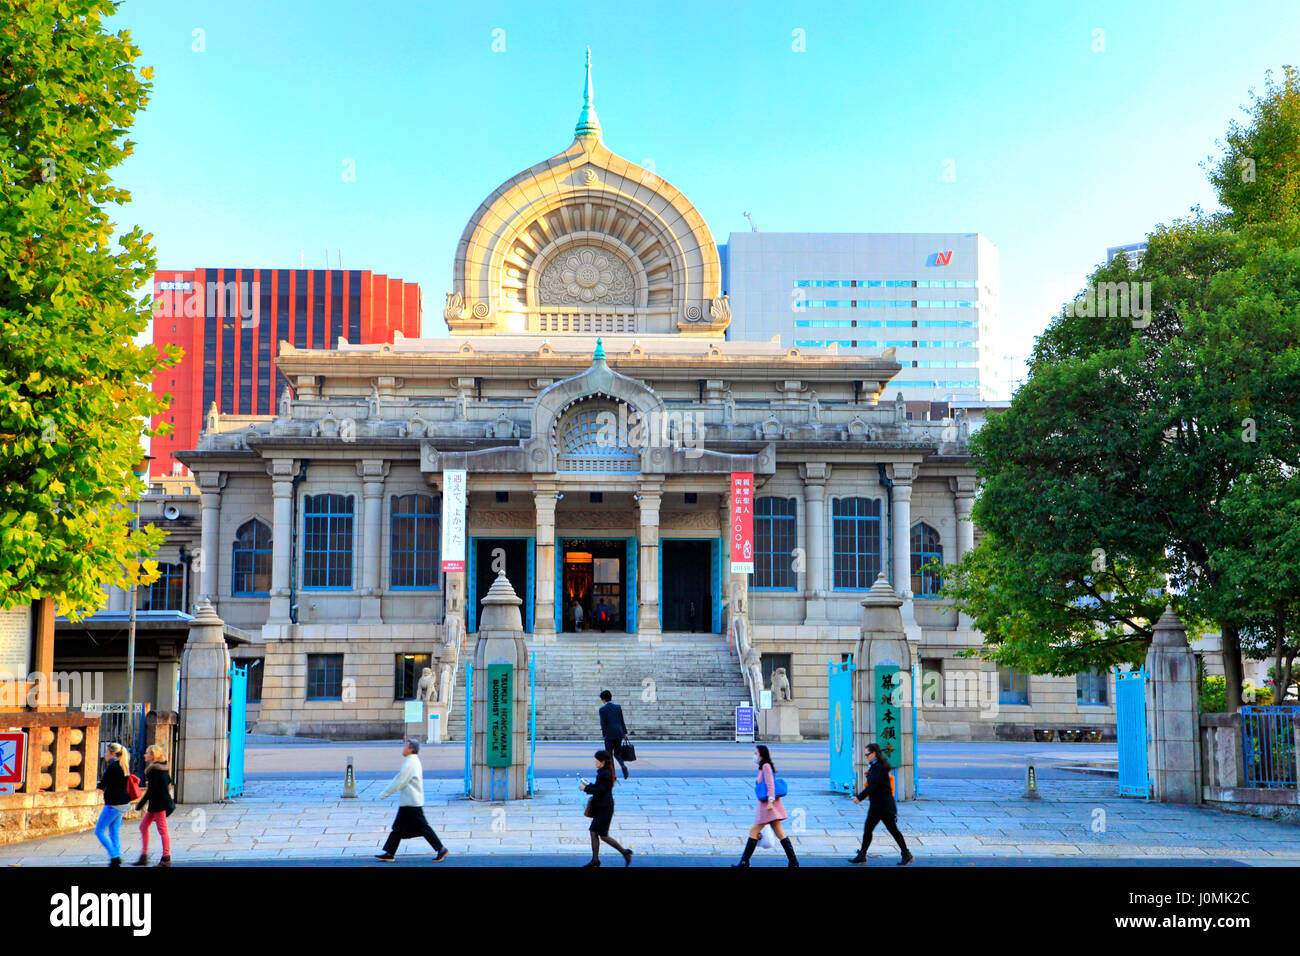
(532, 720)
(238, 730)
(1131, 733)
(469, 726)
(1269, 745)
(840, 684)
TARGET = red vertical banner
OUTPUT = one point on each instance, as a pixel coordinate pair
(742, 522)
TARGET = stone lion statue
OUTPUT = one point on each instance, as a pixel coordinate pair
(427, 689)
(780, 685)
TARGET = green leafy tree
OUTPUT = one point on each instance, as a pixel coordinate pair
(1258, 175)
(1145, 415)
(74, 388)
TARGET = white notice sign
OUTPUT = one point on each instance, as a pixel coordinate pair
(16, 643)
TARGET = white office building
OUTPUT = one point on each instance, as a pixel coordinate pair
(930, 297)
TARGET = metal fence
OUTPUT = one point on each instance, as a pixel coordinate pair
(125, 725)
(1269, 744)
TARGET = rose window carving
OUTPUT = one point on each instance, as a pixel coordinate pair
(586, 276)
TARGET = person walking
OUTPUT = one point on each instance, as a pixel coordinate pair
(410, 821)
(602, 615)
(601, 808)
(612, 728)
(771, 811)
(690, 613)
(577, 616)
(157, 803)
(881, 807)
(117, 800)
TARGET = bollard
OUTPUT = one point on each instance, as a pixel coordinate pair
(1031, 782)
(350, 783)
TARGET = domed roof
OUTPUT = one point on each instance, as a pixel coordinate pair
(586, 242)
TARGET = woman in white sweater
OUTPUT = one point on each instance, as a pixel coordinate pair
(410, 821)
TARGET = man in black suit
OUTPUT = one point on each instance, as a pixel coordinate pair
(612, 727)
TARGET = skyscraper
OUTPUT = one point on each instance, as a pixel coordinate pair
(229, 322)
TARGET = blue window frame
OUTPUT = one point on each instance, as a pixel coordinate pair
(1013, 686)
(1090, 688)
(327, 542)
(324, 676)
(165, 594)
(856, 525)
(776, 532)
(416, 527)
(925, 548)
(251, 560)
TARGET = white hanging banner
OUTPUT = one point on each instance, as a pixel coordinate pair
(453, 520)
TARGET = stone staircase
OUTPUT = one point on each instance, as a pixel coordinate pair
(684, 688)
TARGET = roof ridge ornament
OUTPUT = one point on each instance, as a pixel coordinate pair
(588, 122)
(599, 355)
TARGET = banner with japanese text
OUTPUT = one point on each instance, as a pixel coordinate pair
(453, 520)
(742, 522)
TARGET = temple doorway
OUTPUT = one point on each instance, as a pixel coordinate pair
(686, 579)
(595, 577)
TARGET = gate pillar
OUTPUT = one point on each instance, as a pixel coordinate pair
(499, 706)
(882, 689)
(1173, 714)
(205, 697)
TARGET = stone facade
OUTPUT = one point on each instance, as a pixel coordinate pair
(588, 287)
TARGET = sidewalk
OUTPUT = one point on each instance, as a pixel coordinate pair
(307, 819)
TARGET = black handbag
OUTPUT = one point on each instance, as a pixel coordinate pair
(626, 752)
(588, 811)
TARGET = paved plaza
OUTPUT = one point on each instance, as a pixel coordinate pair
(691, 818)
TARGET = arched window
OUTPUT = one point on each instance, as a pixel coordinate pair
(165, 594)
(776, 533)
(251, 564)
(856, 527)
(595, 437)
(327, 542)
(413, 544)
(926, 582)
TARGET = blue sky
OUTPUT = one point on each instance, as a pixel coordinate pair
(1063, 140)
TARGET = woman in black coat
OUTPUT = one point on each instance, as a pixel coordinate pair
(601, 808)
(882, 808)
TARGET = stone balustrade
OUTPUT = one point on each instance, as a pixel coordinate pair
(58, 793)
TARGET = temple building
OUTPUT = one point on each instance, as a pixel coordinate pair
(589, 394)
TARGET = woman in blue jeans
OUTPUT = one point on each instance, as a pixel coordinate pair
(117, 801)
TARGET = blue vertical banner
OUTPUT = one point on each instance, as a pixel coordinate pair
(715, 554)
(530, 579)
(840, 722)
(630, 613)
(238, 730)
(471, 588)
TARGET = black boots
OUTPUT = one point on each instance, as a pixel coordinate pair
(750, 845)
(789, 852)
(859, 859)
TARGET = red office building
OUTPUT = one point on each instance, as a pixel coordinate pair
(229, 323)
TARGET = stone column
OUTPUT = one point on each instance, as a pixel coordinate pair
(545, 585)
(815, 475)
(1173, 714)
(372, 472)
(901, 530)
(883, 640)
(501, 642)
(647, 621)
(204, 707)
(282, 472)
(210, 485)
(963, 490)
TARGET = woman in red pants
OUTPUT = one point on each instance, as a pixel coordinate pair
(157, 802)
